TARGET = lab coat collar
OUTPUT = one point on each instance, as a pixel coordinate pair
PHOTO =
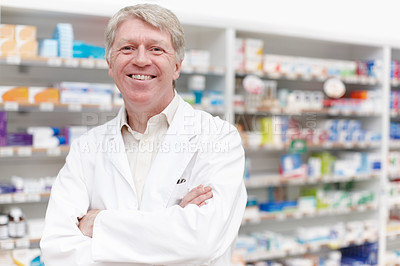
(114, 139)
(169, 163)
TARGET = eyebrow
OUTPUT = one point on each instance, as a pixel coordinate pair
(152, 41)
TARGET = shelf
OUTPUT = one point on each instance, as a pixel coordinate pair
(304, 249)
(75, 107)
(12, 198)
(55, 107)
(279, 180)
(29, 151)
(394, 114)
(90, 63)
(300, 112)
(211, 70)
(325, 145)
(394, 144)
(9, 244)
(393, 235)
(220, 76)
(394, 204)
(264, 216)
(358, 80)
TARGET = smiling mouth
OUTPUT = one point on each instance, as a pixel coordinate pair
(141, 77)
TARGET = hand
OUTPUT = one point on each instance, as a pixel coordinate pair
(87, 221)
(197, 196)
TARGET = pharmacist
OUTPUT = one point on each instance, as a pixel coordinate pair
(156, 193)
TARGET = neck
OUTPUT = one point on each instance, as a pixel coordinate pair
(138, 120)
(138, 117)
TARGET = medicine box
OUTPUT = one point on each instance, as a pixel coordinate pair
(86, 93)
(8, 47)
(254, 48)
(25, 33)
(199, 58)
(278, 206)
(3, 129)
(13, 94)
(43, 94)
(74, 132)
(27, 48)
(239, 54)
(7, 31)
(48, 48)
(271, 63)
(19, 139)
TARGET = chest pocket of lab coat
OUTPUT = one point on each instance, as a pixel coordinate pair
(183, 184)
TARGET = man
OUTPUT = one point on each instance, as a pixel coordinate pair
(161, 184)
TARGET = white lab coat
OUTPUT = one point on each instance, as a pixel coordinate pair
(198, 148)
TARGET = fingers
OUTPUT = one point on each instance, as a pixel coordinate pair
(87, 221)
(202, 198)
(197, 196)
(196, 192)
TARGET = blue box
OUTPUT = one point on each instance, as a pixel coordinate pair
(277, 206)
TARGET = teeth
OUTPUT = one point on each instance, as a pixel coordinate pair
(141, 77)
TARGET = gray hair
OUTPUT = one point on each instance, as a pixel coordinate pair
(157, 16)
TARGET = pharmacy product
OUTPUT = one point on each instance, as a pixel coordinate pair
(8, 47)
(43, 94)
(3, 128)
(7, 31)
(27, 257)
(25, 33)
(64, 34)
(50, 142)
(43, 132)
(86, 93)
(17, 224)
(3, 226)
(27, 48)
(13, 94)
(48, 48)
(199, 58)
(19, 139)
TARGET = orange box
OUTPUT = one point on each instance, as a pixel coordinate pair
(7, 31)
(43, 94)
(8, 47)
(25, 32)
(359, 94)
(14, 94)
(27, 48)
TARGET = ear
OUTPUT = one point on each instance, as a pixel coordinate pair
(110, 73)
(177, 70)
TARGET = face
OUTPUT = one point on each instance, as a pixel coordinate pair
(143, 65)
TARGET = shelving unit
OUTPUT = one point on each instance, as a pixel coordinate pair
(219, 40)
(9, 244)
(305, 249)
(392, 234)
(265, 159)
(279, 180)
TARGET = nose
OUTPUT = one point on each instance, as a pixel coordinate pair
(141, 57)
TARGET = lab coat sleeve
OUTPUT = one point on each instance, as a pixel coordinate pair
(175, 235)
(62, 243)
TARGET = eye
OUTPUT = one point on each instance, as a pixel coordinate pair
(157, 50)
(127, 49)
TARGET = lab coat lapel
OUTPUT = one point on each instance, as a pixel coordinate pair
(172, 160)
(116, 151)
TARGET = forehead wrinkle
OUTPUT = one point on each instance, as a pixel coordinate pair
(147, 40)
